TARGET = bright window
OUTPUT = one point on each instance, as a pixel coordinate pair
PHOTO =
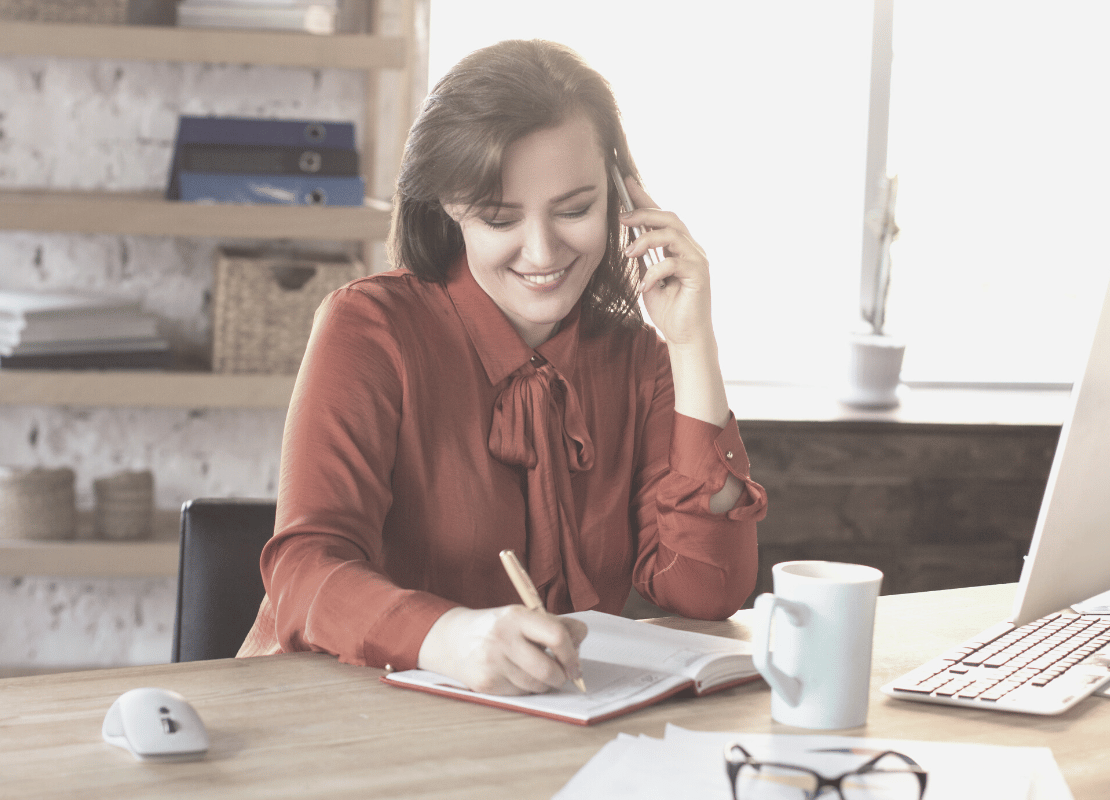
(1000, 129)
(749, 119)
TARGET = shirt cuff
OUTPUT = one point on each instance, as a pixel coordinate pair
(704, 452)
(396, 641)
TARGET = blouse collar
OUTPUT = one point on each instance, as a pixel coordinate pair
(499, 346)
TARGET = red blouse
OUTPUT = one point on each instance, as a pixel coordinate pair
(424, 437)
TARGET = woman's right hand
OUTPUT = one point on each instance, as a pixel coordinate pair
(506, 650)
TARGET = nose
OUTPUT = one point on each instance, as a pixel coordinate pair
(540, 244)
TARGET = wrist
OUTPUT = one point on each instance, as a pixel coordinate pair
(699, 388)
(695, 343)
(436, 649)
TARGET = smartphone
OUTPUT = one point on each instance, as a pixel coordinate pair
(652, 256)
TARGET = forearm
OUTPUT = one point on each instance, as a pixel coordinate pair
(327, 597)
(699, 386)
(699, 393)
(709, 583)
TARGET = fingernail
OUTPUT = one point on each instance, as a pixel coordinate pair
(640, 287)
(628, 250)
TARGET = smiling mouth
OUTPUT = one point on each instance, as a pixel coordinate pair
(543, 280)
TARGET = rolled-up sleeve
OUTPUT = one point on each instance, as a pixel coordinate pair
(693, 561)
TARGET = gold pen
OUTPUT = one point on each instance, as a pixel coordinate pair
(527, 591)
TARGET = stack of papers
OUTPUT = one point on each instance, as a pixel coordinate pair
(75, 331)
(692, 764)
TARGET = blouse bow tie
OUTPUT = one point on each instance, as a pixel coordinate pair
(538, 424)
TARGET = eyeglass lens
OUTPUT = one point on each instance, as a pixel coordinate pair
(782, 782)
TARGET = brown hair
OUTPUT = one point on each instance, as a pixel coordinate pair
(454, 152)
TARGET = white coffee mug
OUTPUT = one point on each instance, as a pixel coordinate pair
(820, 669)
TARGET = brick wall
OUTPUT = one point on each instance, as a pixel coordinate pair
(933, 507)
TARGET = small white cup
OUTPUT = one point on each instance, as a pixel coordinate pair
(820, 670)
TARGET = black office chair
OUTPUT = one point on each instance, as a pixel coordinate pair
(219, 586)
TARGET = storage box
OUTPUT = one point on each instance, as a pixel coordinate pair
(108, 12)
(262, 307)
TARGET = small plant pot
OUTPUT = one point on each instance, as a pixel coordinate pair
(874, 371)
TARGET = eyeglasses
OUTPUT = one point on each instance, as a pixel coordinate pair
(890, 775)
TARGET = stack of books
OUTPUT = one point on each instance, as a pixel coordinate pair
(41, 330)
(270, 161)
(311, 16)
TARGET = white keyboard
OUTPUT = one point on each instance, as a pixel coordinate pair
(1044, 667)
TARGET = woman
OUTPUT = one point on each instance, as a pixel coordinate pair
(500, 390)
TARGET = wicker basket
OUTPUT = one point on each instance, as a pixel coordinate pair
(125, 505)
(37, 503)
(262, 307)
(107, 12)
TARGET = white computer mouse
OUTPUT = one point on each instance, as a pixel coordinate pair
(155, 725)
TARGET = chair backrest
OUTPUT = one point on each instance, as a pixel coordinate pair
(219, 585)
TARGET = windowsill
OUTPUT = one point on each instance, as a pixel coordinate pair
(931, 406)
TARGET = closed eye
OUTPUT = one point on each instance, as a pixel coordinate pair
(503, 224)
(577, 214)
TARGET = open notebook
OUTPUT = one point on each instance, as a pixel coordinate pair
(626, 665)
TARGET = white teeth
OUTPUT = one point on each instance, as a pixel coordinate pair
(540, 280)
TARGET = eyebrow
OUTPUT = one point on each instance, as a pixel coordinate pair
(554, 201)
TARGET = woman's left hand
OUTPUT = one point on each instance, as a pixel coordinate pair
(676, 290)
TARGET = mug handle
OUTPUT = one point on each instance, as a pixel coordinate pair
(787, 687)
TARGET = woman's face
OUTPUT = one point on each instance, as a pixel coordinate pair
(535, 250)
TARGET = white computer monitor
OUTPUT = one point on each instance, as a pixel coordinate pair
(1069, 557)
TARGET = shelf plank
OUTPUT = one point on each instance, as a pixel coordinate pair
(87, 557)
(93, 559)
(149, 214)
(143, 389)
(202, 45)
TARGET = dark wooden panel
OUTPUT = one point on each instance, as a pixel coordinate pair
(933, 508)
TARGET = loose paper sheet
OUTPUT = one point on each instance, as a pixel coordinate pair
(690, 764)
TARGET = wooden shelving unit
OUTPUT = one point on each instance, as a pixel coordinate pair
(364, 52)
(149, 214)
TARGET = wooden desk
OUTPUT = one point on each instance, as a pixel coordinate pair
(306, 726)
